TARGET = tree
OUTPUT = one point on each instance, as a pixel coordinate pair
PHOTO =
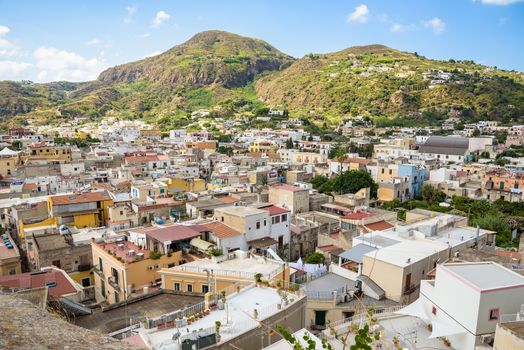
(314, 258)
(354, 180)
(431, 195)
(476, 133)
(289, 143)
(225, 150)
(318, 181)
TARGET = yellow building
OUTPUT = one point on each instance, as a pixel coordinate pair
(81, 135)
(263, 146)
(43, 227)
(9, 160)
(187, 184)
(123, 268)
(52, 154)
(151, 132)
(153, 190)
(88, 209)
(9, 256)
(215, 274)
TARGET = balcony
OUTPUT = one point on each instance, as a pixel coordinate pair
(99, 272)
(113, 283)
(410, 290)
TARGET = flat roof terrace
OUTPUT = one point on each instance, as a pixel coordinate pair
(150, 306)
(484, 275)
(236, 318)
(238, 267)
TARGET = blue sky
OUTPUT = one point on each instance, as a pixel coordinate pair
(66, 40)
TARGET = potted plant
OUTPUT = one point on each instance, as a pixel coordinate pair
(396, 341)
(258, 278)
(223, 296)
(217, 329)
(446, 341)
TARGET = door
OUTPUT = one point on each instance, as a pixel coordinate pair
(320, 318)
(280, 241)
(408, 282)
(117, 297)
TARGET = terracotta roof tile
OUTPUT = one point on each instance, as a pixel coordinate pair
(85, 197)
(220, 230)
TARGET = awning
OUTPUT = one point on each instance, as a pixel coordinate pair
(414, 309)
(441, 328)
(262, 242)
(201, 244)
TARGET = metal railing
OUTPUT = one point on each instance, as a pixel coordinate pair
(227, 273)
(325, 294)
(362, 316)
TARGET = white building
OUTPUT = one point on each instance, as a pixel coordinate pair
(465, 301)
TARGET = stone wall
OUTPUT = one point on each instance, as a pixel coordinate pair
(26, 326)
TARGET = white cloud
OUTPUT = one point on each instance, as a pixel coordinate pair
(435, 24)
(7, 48)
(500, 2)
(154, 53)
(131, 10)
(400, 28)
(54, 64)
(359, 15)
(160, 17)
(144, 35)
(12, 70)
(93, 41)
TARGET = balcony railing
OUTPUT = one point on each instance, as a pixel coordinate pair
(99, 272)
(113, 283)
(411, 289)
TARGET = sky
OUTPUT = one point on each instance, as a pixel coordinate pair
(55, 40)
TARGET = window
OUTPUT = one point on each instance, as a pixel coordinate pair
(176, 286)
(86, 282)
(103, 288)
(121, 212)
(390, 171)
(12, 271)
(494, 314)
(284, 217)
(205, 288)
(265, 222)
(56, 263)
(100, 266)
(383, 170)
(222, 219)
(258, 225)
(190, 288)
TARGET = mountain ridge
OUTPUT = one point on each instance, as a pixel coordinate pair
(242, 74)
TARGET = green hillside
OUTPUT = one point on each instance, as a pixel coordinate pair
(378, 81)
(235, 74)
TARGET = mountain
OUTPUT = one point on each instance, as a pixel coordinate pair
(376, 80)
(210, 67)
(239, 75)
(211, 57)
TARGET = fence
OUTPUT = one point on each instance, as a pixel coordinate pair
(228, 273)
(325, 294)
(362, 316)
